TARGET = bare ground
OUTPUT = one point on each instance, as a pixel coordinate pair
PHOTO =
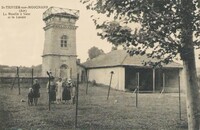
(154, 111)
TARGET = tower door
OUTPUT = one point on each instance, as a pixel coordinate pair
(63, 71)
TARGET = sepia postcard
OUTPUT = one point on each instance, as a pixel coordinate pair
(57, 72)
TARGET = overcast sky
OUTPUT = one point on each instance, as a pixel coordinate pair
(22, 40)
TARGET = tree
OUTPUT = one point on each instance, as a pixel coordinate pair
(169, 28)
(94, 52)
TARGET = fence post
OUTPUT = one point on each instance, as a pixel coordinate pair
(137, 89)
(76, 113)
(18, 80)
(49, 74)
(87, 82)
(179, 91)
(110, 84)
(32, 75)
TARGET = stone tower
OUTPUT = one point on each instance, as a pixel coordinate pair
(59, 54)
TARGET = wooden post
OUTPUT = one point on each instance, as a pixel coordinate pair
(110, 84)
(138, 88)
(163, 89)
(87, 82)
(179, 91)
(18, 80)
(138, 81)
(32, 76)
(49, 74)
(55, 73)
(153, 80)
(77, 89)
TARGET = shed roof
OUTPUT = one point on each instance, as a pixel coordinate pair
(122, 58)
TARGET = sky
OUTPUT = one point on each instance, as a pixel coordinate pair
(22, 40)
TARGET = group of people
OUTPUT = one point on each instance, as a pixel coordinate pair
(62, 90)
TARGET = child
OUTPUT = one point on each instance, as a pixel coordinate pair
(30, 97)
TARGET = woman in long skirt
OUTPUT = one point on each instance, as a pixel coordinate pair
(52, 92)
(59, 90)
(66, 96)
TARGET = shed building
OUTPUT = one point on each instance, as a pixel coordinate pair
(130, 72)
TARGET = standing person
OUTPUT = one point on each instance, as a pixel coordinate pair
(30, 97)
(36, 91)
(72, 90)
(52, 92)
(66, 91)
(59, 90)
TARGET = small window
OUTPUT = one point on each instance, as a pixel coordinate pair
(63, 42)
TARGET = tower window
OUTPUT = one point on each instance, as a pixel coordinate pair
(63, 42)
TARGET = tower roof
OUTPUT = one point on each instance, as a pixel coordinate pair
(63, 12)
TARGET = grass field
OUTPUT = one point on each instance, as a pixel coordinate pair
(154, 112)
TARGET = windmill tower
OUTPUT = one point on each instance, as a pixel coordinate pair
(59, 54)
